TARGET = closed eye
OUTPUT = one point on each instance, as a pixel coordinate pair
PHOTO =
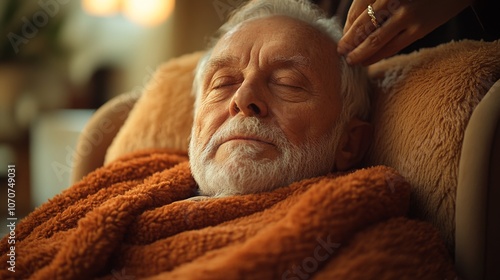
(224, 81)
(287, 82)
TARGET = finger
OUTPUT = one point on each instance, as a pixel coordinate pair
(375, 41)
(388, 50)
(361, 28)
(358, 32)
(357, 7)
(400, 41)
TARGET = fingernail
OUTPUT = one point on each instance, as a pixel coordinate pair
(344, 48)
(341, 50)
(349, 60)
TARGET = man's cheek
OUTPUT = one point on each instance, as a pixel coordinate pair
(295, 131)
(203, 132)
(201, 121)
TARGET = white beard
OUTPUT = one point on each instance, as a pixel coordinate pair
(242, 173)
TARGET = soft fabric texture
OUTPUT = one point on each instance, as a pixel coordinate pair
(423, 101)
(422, 106)
(132, 218)
(163, 116)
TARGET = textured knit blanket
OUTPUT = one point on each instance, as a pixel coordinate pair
(136, 218)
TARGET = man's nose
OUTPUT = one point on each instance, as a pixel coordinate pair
(248, 100)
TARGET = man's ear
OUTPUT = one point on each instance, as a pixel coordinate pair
(353, 144)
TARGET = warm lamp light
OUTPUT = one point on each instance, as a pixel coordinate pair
(101, 7)
(144, 12)
(148, 12)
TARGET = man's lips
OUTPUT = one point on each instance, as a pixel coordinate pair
(246, 138)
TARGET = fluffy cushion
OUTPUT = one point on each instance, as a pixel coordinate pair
(421, 107)
(163, 115)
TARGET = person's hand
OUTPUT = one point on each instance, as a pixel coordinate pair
(401, 22)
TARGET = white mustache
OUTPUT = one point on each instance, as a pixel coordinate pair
(248, 127)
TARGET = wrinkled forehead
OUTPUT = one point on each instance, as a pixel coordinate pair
(279, 39)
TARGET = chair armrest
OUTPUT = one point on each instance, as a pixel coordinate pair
(477, 247)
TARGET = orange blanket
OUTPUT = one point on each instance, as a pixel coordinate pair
(131, 220)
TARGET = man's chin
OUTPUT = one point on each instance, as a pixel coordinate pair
(241, 177)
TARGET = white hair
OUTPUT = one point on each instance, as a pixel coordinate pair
(354, 87)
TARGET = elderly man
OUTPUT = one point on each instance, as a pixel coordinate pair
(275, 102)
(277, 113)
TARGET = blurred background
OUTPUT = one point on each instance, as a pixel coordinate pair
(60, 60)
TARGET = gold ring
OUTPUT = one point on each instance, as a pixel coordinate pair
(371, 13)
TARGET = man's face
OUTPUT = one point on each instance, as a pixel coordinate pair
(268, 108)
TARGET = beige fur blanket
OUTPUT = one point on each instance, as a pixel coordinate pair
(132, 219)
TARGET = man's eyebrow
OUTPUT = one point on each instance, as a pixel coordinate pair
(231, 61)
(221, 62)
(296, 60)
